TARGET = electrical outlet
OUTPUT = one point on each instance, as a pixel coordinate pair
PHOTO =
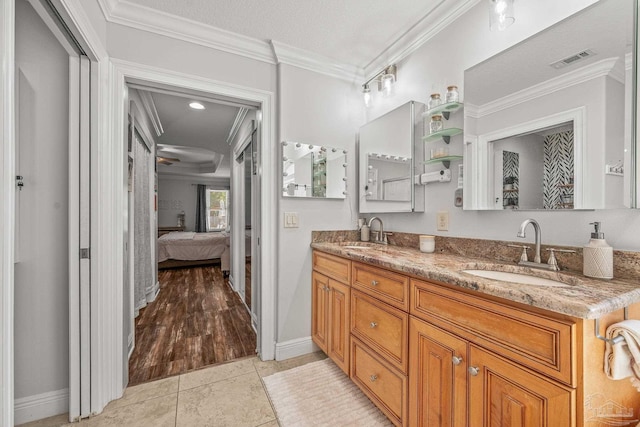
(442, 221)
(291, 220)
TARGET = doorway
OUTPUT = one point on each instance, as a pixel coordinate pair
(191, 316)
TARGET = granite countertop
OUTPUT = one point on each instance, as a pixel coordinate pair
(582, 297)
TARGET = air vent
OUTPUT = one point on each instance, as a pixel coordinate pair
(573, 59)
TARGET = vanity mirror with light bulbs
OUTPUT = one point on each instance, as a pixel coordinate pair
(389, 154)
(313, 171)
(549, 123)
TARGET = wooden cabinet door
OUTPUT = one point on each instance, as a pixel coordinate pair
(503, 394)
(438, 377)
(319, 310)
(338, 324)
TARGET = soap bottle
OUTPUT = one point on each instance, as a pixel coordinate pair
(364, 233)
(598, 256)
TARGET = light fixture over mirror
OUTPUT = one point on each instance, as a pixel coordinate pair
(501, 14)
(386, 80)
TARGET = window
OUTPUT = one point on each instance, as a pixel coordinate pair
(217, 208)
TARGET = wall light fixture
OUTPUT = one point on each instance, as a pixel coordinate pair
(386, 80)
(501, 14)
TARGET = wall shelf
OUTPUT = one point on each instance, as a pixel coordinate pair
(444, 134)
(446, 160)
(444, 109)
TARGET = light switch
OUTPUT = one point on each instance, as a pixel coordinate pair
(442, 221)
(291, 220)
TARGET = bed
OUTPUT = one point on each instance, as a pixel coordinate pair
(185, 249)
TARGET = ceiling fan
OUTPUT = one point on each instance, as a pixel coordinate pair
(166, 160)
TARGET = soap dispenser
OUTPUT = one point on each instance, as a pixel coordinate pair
(598, 256)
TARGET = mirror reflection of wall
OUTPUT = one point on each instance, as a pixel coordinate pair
(313, 171)
(390, 154)
(389, 177)
(578, 70)
(536, 170)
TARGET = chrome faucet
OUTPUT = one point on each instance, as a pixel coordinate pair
(380, 237)
(536, 229)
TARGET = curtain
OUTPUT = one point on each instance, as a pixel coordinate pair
(201, 208)
(143, 265)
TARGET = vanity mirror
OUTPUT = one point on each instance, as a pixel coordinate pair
(548, 122)
(387, 149)
(313, 171)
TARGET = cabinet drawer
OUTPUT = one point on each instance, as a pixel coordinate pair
(390, 287)
(386, 387)
(541, 343)
(332, 266)
(382, 327)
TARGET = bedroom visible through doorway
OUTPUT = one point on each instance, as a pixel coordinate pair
(193, 313)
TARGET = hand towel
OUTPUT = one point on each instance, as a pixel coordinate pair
(622, 360)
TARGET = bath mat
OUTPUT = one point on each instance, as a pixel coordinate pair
(320, 394)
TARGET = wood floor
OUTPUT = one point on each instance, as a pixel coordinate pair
(197, 320)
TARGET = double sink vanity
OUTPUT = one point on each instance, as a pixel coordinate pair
(447, 339)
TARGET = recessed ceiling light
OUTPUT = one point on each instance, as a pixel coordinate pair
(196, 105)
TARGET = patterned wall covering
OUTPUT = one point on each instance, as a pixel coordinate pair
(558, 171)
(510, 168)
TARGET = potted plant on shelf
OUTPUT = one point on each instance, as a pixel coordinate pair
(509, 182)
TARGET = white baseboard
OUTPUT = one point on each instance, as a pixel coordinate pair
(293, 348)
(32, 408)
(153, 292)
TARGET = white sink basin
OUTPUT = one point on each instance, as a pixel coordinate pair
(523, 279)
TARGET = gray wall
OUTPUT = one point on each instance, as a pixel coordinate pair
(42, 271)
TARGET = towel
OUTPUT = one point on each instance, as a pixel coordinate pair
(622, 360)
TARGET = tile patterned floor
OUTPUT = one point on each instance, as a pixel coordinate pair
(230, 394)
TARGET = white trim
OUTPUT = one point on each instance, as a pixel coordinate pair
(484, 158)
(311, 61)
(75, 16)
(446, 12)
(152, 112)
(41, 406)
(154, 21)
(121, 71)
(581, 75)
(7, 210)
(294, 348)
(242, 113)
(143, 18)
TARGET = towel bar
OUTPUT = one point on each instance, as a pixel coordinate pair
(614, 340)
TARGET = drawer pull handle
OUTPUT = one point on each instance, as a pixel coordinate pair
(373, 378)
(373, 325)
(374, 283)
(456, 360)
(474, 371)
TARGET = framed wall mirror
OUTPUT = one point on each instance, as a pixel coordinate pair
(313, 171)
(389, 150)
(549, 123)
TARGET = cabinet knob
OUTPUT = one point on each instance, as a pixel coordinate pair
(373, 325)
(373, 378)
(325, 288)
(374, 283)
(474, 371)
(456, 360)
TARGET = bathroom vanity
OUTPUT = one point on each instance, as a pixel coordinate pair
(433, 346)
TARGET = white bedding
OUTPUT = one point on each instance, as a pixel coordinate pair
(189, 246)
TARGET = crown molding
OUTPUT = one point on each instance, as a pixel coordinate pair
(152, 113)
(152, 20)
(240, 116)
(598, 69)
(286, 54)
(446, 12)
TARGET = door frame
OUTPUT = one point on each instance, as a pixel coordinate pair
(7, 208)
(123, 72)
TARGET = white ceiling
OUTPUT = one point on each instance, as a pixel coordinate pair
(353, 32)
(606, 28)
(197, 137)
